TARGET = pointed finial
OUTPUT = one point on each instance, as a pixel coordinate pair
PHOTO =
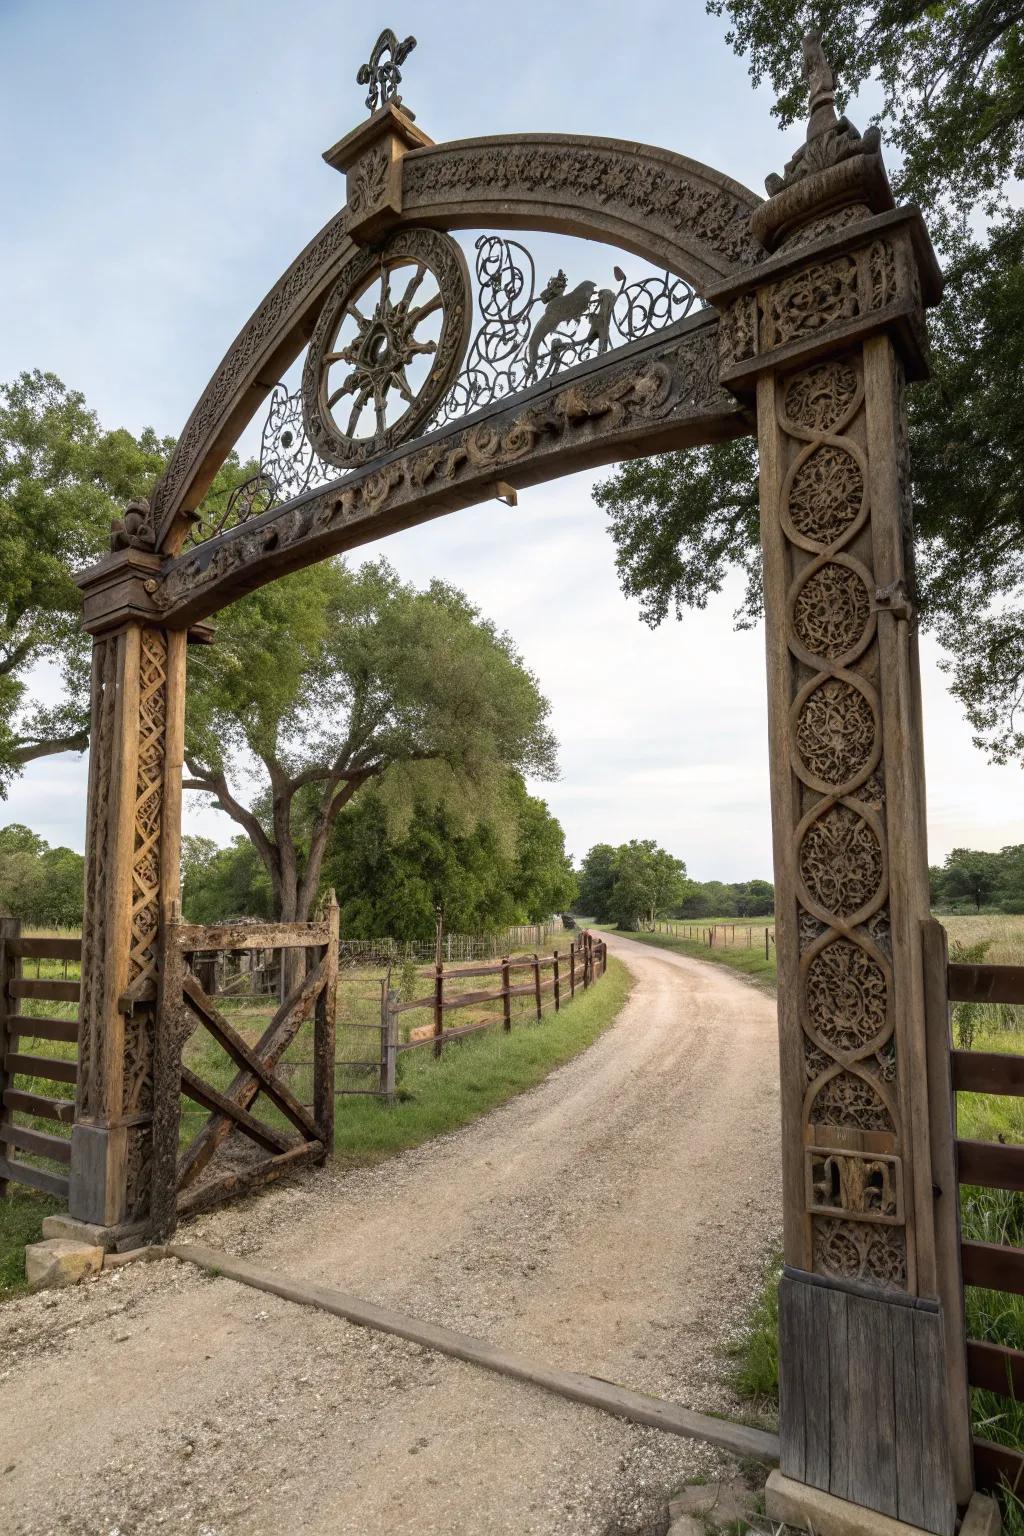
(384, 78)
(820, 84)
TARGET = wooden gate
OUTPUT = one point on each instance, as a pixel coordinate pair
(294, 1129)
(996, 1266)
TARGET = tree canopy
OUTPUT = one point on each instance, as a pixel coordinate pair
(630, 885)
(952, 84)
(330, 679)
(41, 885)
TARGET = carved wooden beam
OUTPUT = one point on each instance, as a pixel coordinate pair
(654, 395)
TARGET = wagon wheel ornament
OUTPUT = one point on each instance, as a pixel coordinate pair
(389, 342)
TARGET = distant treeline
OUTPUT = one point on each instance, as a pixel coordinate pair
(42, 885)
(971, 879)
(637, 882)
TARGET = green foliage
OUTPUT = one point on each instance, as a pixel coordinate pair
(218, 884)
(967, 1017)
(952, 80)
(632, 884)
(21, 1222)
(491, 876)
(413, 691)
(976, 877)
(755, 1373)
(713, 898)
(43, 886)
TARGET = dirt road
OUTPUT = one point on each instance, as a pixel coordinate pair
(612, 1220)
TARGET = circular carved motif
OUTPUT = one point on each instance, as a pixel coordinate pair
(850, 1100)
(835, 731)
(826, 494)
(818, 398)
(846, 996)
(389, 341)
(832, 611)
(860, 1251)
(841, 861)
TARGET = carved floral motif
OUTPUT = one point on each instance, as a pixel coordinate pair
(368, 181)
(860, 1251)
(818, 398)
(846, 996)
(831, 611)
(835, 731)
(849, 1099)
(812, 298)
(854, 1184)
(826, 494)
(841, 862)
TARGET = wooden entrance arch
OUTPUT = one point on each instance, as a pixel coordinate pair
(807, 322)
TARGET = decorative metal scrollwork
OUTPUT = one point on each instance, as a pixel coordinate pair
(384, 76)
(525, 337)
(393, 330)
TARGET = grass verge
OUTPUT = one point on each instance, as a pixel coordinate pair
(21, 1222)
(735, 957)
(475, 1074)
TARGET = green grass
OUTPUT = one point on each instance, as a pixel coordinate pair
(476, 1074)
(748, 959)
(21, 1222)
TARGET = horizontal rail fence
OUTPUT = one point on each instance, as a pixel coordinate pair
(991, 1165)
(300, 1132)
(720, 934)
(38, 1067)
(455, 946)
(551, 980)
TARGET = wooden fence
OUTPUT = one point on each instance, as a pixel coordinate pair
(719, 934)
(552, 980)
(22, 1068)
(991, 1165)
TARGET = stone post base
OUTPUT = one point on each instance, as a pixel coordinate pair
(809, 1509)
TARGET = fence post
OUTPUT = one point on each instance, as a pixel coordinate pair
(388, 1041)
(557, 982)
(10, 928)
(506, 996)
(942, 1129)
(536, 983)
(438, 1009)
(766, 943)
(325, 1033)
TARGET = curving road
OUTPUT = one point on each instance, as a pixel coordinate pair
(612, 1220)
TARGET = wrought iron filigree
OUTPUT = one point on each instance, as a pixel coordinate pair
(525, 336)
(384, 76)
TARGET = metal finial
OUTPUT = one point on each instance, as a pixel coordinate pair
(384, 78)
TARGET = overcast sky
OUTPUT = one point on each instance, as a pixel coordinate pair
(161, 165)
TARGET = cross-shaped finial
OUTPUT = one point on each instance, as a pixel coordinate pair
(383, 78)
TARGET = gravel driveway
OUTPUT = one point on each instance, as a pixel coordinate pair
(612, 1220)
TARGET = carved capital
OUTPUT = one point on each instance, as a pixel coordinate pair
(850, 276)
(119, 588)
(371, 159)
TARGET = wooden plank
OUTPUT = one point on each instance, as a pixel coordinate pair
(46, 949)
(814, 1319)
(935, 1507)
(988, 1072)
(34, 1104)
(990, 1164)
(739, 1439)
(43, 1029)
(325, 1032)
(194, 936)
(792, 1421)
(35, 1178)
(40, 1143)
(986, 983)
(873, 1428)
(211, 1098)
(467, 999)
(49, 991)
(906, 1416)
(995, 1465)
(50, 1067)
(996, 1266)
(839, 1395)
(231, 1185)
(996, 1368)
(445, 1035)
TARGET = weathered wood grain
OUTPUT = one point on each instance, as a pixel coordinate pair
(986, 983)
(992, 1164)
(996, 1266)
(996, 1368)
(988, 1072)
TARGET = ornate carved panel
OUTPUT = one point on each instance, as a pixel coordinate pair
(98, 843)
(852, 1127)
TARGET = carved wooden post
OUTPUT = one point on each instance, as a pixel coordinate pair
(822, 334)
(132, 879)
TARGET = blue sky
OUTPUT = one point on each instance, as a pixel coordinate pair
(162, 167)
